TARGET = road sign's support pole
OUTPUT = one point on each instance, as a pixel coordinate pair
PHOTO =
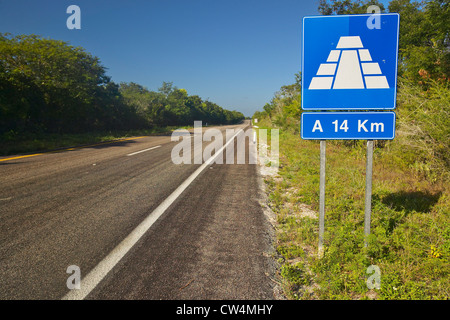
(322, 196)
(368, 198)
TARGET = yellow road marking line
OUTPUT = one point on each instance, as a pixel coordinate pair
(69, 149)
(30, 155)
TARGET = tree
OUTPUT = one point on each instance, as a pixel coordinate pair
(346, 6)
(166, 88)
(424, 38)
(50, 86)
(424, 34)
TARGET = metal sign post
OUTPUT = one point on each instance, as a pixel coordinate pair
(322, 195)
(348, 64)
(368, 198)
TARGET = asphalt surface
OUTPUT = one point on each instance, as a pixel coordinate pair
(75, 207)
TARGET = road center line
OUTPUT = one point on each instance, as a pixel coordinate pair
(132, 154)
(97, 274)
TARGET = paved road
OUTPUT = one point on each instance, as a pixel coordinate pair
(80, 206)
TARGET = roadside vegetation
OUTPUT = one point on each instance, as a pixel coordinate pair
(53, 94)
(410, 227)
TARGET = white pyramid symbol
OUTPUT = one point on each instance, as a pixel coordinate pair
(352, 58)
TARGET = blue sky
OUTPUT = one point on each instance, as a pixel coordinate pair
(236, 53)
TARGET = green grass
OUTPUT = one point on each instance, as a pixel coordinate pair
(410, 222)
(410, 227)
(14, 143)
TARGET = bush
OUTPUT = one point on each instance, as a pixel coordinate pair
(423, 128)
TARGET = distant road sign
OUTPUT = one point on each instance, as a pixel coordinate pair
(346, 65)
(348, 125)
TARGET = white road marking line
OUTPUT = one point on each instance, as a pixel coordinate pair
(132, 154)
(97, 274)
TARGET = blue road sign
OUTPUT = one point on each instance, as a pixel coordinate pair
(348, 63)
(348, 125)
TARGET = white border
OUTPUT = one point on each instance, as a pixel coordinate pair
(341, 16)
(350, 138)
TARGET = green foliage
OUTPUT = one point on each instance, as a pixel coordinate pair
(285, 108)
(346, 6)
(410, 224)
(423, 129)
(173, 106)
(49, 86)
(289, 252)
(295, 274)
(410, 233)
(410, 227)
(424, 38)
(424, 33)
(423, 95)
